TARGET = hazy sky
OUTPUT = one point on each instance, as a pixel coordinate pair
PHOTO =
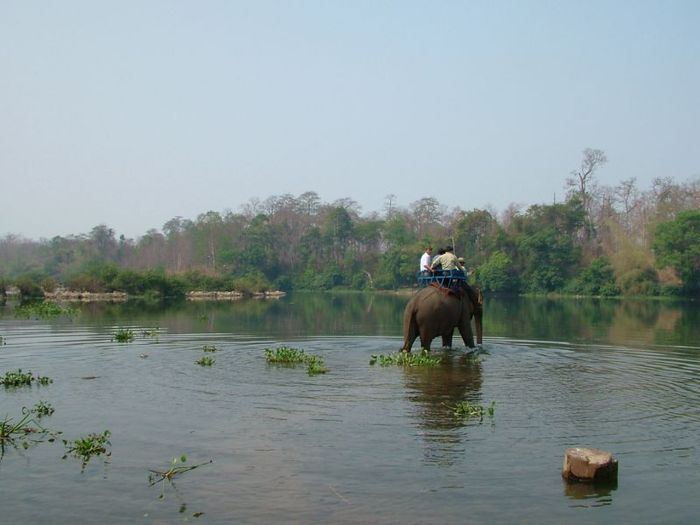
(130, 113)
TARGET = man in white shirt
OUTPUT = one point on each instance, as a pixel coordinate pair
(426, 260)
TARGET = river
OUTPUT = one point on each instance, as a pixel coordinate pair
(360, 444)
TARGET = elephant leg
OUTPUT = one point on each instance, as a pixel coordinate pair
(447, 340)
(425, 339)
(465, 330)
(478, 318)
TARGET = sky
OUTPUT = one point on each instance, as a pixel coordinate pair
(129, 113)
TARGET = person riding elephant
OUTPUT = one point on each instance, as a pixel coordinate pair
(436, 311)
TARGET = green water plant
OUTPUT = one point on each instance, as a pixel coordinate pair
(424, 358)
(315, 366)
(285, 355)
(43, 408)
(15, 378)
(25, 431)
(151, 333)
(205, 361)
(177, 467)
(3, 341)
(89, 446)
(466, 409)
(123, 335)
(43, 310)
(209, 348)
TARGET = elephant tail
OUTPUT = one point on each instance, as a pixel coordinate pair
(410, 329)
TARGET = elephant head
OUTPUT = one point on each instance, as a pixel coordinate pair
(436, 311)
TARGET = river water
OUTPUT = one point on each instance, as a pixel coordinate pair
(360, 444)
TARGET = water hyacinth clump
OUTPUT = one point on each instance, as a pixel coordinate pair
(123, 335)
(205, 361)
(89, 446)
(43, 310)
(209, 348)
(465, 409)
(42, 408)
(406, 359)
(285, 355)
(314, 365)
(17, 378)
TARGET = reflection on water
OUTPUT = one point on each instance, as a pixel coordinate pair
(590, 494)
(435, 392)
(360, 444)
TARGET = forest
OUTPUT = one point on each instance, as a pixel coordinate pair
(599, 241)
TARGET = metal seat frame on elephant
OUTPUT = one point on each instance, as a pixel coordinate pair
(450, 280)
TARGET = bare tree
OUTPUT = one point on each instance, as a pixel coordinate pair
(582, 183)
(389, 204)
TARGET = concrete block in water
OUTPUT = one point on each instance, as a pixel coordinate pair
(589, 464)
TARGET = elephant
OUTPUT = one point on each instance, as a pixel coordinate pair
(436, 311)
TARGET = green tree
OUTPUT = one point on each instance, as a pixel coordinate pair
(677, 244)
(597, 279)
(497, 274)
(475, 234)
(546, 250)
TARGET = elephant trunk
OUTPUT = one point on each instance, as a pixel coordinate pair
(479, 328)
(478, 315)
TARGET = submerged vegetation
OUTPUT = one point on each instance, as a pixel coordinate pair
(285, 355)
(168, 477)
(152, 333)
(423, 358)
(17, 378)
(162, 476)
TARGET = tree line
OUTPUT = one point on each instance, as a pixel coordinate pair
(600, 240)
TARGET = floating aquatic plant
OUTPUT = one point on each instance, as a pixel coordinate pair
(3, 340)
(158, 476)
(285, 354)
(167, 477)
(89, 446)
(123, 335)
(153, 333)
(43, 310)
(465, 409)
(27, 431)
(43, 408)
(209, 348)
(314, 365)
(205, 361)
(406, 359)
(17, 378)
(292, 356)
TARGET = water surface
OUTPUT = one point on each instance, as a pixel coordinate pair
(360, 444)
